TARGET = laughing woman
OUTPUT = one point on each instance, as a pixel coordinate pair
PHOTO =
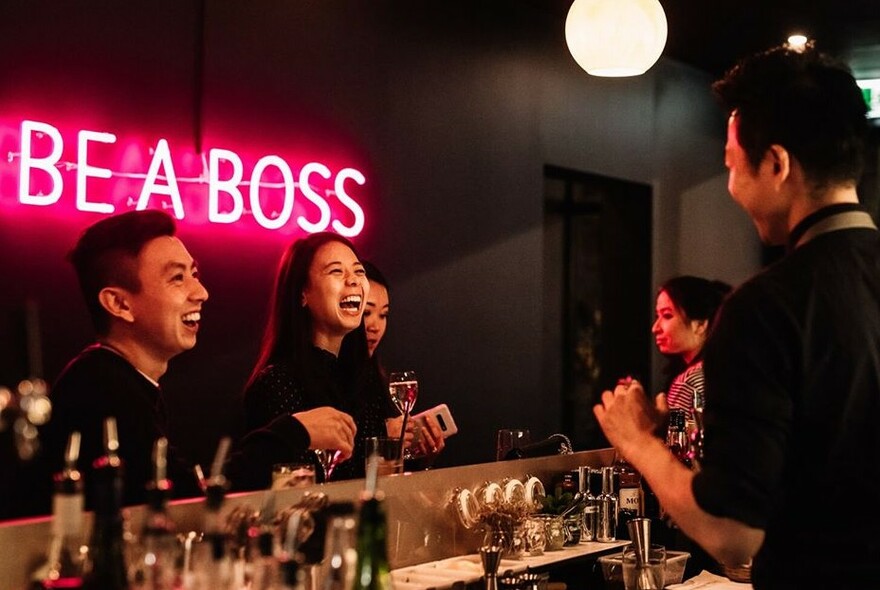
(314, 351)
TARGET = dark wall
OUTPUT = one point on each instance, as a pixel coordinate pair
(452, 110)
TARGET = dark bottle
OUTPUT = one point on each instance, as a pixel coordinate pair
(677, 437)
(696, 437)
(629, 495)
(266, 573)
(211, 564)
(107, 569)
(372, 571)
(159, 542)
(64, 561)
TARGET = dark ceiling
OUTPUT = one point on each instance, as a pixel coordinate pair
(713, 34)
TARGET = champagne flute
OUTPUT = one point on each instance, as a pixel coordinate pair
(404, 389)
(328, 459)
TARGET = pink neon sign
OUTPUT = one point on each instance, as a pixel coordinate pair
(212, 187)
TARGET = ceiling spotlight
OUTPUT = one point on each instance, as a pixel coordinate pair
(615, 37)
(797, 42)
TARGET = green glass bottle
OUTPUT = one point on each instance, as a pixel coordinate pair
(372, 571)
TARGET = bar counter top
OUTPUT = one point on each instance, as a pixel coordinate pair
(454, 572)
(423, 525)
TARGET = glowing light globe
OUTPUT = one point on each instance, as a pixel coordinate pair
(616, 37)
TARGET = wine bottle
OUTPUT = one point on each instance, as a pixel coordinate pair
(265, 563)
(696, 436)
(211, 564)
(107, 569)
(159, 543)
(372, 571)
(677, 437)
(63, 567)
(629, 495)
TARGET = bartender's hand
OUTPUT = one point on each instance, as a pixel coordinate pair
(329, 428)
(626, 416)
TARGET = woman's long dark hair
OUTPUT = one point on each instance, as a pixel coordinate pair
(697, 299)
(288, 335)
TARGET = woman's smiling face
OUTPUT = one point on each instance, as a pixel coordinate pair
(336, 291)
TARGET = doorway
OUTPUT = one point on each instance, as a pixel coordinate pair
(598, 299)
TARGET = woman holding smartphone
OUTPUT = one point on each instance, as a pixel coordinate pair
(314, 351)
(426, 431)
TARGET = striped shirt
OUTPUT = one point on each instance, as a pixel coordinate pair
(688, 386)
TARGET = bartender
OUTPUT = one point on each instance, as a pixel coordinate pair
(792, 366)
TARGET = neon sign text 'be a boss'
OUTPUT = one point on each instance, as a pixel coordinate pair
(161, 179)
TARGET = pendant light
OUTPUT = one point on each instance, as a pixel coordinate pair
(615, 37)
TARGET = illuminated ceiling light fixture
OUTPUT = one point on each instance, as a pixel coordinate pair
(615, 38)
(797, 42)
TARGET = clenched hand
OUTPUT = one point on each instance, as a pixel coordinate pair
(329, 428)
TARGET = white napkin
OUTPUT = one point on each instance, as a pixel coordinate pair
(709, 581)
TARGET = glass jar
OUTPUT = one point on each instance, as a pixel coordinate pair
(511, 537)
(536, 535)
(554, 528)
(572, 528)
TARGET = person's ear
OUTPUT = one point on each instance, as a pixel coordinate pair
(115, 301)
(302, 299)
(701, 327)
(779, 160)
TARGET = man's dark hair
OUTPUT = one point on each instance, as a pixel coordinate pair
(804, 101)
(106, 255)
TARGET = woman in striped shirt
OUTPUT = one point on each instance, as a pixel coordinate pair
(686, 307)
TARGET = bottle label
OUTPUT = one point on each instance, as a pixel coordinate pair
(631, 499)
(68, 514)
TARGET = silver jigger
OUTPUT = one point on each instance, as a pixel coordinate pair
(491, 558)
(640, 533)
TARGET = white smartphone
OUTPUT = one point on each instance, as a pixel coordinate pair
(443, 416)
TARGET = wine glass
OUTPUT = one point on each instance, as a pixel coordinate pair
(404, 389)
(328, 459)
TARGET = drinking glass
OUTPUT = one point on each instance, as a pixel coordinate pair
(292, 475)
(651, 576)
(328, 459)
(508, 439)
(404, 389)
(403, 386)
(387, 450)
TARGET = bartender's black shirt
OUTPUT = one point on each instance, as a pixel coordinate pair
(793, 413)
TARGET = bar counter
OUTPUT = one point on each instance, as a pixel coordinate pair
(423, 524)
